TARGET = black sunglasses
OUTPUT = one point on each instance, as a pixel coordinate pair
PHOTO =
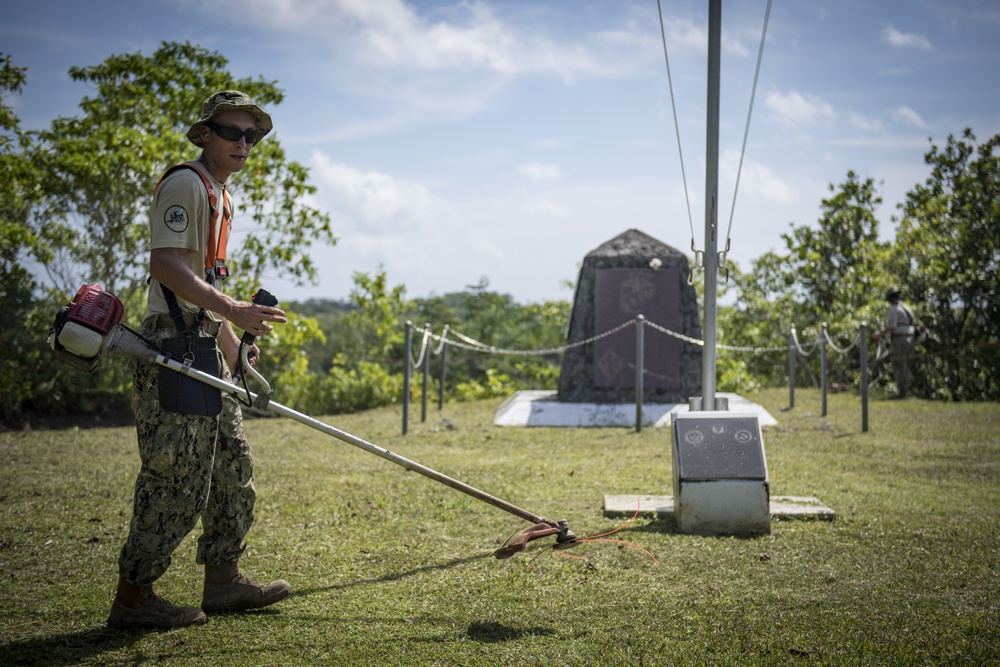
(253, 135)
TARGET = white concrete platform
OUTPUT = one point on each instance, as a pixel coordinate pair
(542, 408)
(781, 507)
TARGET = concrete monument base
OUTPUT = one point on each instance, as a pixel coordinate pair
(543, 408)
(781, 507)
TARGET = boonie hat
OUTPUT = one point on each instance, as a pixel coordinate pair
(229, 100)
(891, 292)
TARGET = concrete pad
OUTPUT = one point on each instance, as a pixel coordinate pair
(781, 507)
(800, 507)
(543, 408)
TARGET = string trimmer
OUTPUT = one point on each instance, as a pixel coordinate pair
(90, 327)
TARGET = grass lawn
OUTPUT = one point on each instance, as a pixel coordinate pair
(390, 568)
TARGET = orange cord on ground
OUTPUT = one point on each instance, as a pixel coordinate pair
(598, 538)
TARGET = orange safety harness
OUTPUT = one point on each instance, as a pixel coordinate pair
(215, 254)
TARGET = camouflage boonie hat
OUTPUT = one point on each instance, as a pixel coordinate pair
(229, 100)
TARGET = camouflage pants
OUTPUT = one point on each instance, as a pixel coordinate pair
(192, 467)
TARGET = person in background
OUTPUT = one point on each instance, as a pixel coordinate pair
(902, 330)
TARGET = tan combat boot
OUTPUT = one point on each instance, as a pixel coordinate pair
(139, 607)
(228, 590)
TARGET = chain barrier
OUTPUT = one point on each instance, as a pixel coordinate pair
(468, 343)
(443, 338)
(460, 340)
(833, 346)
(794, 348)
(798, 346)
(476, 346)
(728, 348)
(423, 349)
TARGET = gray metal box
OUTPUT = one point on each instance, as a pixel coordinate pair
(720, 480)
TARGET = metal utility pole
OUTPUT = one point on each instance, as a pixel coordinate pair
(711, 260)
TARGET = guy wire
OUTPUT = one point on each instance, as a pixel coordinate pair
(746, 131)
(677, 127)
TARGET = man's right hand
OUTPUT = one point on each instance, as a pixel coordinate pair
(166, 266)
(254, 318)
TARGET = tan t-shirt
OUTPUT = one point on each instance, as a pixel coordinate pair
(179, 218)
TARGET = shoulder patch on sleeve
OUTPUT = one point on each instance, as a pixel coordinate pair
(176, 218)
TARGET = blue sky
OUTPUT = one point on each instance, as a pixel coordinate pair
(507, 139)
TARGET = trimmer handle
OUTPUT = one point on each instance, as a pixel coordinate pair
(262, 297)
(246, 340)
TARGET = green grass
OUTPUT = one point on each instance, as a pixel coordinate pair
(390, 568)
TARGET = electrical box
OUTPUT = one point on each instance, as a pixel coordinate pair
(720, 474)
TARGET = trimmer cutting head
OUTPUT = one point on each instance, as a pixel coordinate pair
(565, 538)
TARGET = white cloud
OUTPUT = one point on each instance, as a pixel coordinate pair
(547, 208)
(405, 39)
(382, 220)
(756, 180)
(467, 37)
(553, 143)
(374, 200)
(908, 116)
(794, 108)
(686, 36)
(537, 171)
(865, 123)
(905, 40)
(320, 14)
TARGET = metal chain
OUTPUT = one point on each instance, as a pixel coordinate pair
(443, 338)
(686, 339)
(423, 349)
(834, 347)
(729, 348)
(795, 339)
(736, 348)
(473, 345)
(476, 346)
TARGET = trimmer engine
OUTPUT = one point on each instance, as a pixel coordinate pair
(78, 335)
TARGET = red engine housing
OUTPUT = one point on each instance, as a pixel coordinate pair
(94, 308)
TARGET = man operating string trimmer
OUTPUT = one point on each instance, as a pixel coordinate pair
(196, 461)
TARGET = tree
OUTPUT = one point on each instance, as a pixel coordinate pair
(19, 198)
(948, 259)
(839, 263)
(76, 196)
(829, 273)
(497, 320)
(18, 192)
(101, 168)
(768, 303)
(375, 322)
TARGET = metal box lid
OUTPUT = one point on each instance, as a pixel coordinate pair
(713, 445)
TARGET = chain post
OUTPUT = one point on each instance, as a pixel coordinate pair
(426, 351)
(407, 351)
(444, 368)
(823, 370)
(640, 356)
(791, 369)
(864, 378)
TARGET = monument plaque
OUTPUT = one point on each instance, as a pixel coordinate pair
(620, 295)
(632, 274)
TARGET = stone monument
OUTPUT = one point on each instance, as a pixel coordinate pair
(632, 274)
